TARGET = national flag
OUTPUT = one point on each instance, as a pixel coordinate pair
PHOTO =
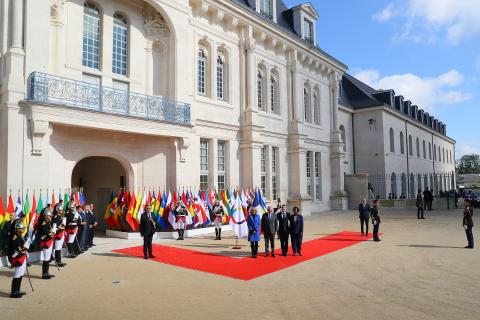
(54, 202)
(204, 205)
(66, 199)
(137, 207)
(109, 219)
(161, 211)
(141, 210)
(26, 213)
(2, 213)
(10, 209)
(238, 221)
(33, 217)
(171, 217)
(18, 207)
(81, 198)
(132, 223)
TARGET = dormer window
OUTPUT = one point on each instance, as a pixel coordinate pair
(308, 30)
(266, 8)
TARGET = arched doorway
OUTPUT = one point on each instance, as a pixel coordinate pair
(99, 176)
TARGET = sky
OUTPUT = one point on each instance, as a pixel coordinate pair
(426, 50)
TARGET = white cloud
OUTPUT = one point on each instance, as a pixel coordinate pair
(467, 148)
(425, 92)
(430, 20)
(386, 14)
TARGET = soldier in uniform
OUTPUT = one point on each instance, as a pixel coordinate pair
(59, 222)
(218, 220)
(71, 228)
(8, 229)
(47, 237)
(181, 219)
(17, 256)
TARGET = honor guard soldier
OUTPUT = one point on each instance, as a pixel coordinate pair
(8, 229)
(71, 228)
(218, 220)
(59, 222)
(47, 237)
(17, 255)
(181, 219)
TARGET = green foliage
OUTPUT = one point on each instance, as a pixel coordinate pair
(469, 163)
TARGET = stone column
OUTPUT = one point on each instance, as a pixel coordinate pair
(17, 24)
(251, 74)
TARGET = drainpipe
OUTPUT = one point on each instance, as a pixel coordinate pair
(434, 179)
(408, 153)
(353, 145)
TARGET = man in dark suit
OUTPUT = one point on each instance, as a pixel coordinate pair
(147, 230)
(375, 220)
(283, 228)
(296, 231)
(269, 227)
(420, 204)
(364, 215)
(428, 198)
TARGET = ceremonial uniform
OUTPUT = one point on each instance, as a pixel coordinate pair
(181, 219)
(17, 256)
(46, 233)
(218, 220)
(59, 222)
(71, 228)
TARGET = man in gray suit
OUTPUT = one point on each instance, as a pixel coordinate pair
(269, 228)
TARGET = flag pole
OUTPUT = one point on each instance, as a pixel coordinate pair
(236, 246)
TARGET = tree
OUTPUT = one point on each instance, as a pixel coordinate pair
(469, 163)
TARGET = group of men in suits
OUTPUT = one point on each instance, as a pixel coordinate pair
(365, 213)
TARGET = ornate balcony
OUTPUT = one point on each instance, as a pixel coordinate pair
(53, 90)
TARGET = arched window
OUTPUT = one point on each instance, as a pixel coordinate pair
(91, 36)
(402, 143)
(434, 153)
(393, 186)
(306, 103)
(316, 106)
(418, 148)
(120, 44)
(410, 146)
(443, 154)
(342, 134)
(424, 150)
(451, 160)
(392, 141)
(429, 151)
(419, 181)
(202, 71)
(404, 186)
(274, 99)
(260, 90)
(220, 77)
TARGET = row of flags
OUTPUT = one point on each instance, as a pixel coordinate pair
(31, 207)
(125, 209)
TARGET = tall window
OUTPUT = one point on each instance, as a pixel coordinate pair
(434, 153)
(424, 150)
(91, 36)
(309, 172)
(220, 77)
(402, 143)
(392, 141)
(203, 164)
(266, 8)
(410, 146)
(318, 187)
(221, 165)
(429, 151)
(342, 135)
(443, 154)
(316, 107)
(260, 90)
(308, 30)
(274, 172)
(274, 105)
(263, 170)
(201, 72)
(120, 45)
(418, 148)
(306, 104)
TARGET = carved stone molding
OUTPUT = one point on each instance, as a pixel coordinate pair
(155, 25)
(39, 130)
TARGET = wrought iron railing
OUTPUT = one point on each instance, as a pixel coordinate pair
(50, 89)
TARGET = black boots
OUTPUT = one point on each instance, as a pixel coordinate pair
(180, 234)
(45, 267)
(183, 232)
(216, 233)
(71, 253)
(58, 258)
(16, 292)
(219, 233)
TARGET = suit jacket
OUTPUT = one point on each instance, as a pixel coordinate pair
(147, 226)
(419, 203)
(269, 226)
(283, 223)
(363, 212)
(296, 224)
(467, 217)
(374, 214)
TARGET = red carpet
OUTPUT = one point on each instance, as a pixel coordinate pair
(247, 268)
